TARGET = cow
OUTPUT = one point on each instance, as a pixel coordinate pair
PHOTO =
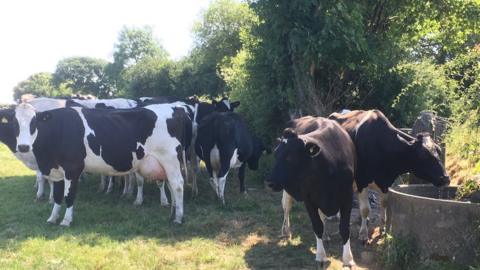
(224, 142)
(43, 104)
(68, 141)
(315, 163)
(198, 111)
(383, 153)
(114, 103)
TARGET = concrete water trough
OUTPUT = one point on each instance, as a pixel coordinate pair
(444, 229)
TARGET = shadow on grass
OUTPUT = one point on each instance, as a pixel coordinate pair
(98, 215)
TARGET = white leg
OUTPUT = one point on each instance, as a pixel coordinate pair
(287, 202)
(103, 183)
(40, 184)
(110, 185)
(347, 257)
(383, 208)
(131, 179)
(50, 197)
(221, 188)
(323, 217)
(175, 181)
(321, 255)
(214, 183)
(55, 214)
(364, 211)
(68, 218)
(125, 183)
(139, 199)
(163, 195)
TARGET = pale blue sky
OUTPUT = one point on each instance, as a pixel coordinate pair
(35, 34)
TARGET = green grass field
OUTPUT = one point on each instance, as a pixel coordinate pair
(108, 232)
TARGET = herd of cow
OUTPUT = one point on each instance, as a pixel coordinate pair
(320, 161)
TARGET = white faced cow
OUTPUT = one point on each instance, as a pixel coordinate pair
(69, 141)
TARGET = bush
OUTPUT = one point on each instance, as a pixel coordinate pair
(400, 253)
(425, 87)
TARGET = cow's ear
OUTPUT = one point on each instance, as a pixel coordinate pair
(44, 116)
(289, 133)
(405, 141)
(312, 148)
(235, 104)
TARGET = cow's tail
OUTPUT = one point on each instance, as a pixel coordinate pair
(184, 160)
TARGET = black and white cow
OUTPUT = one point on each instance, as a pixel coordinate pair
(69, 141)
(198, 111)
(383, 153)
(224, 142)
(315, 163)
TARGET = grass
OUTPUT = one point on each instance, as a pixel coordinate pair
(108, 232)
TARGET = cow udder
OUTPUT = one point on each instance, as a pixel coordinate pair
(151, 169)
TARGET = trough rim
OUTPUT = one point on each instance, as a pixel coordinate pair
(395, 190)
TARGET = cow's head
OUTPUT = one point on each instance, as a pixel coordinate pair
(224, 105)
(17, 128)
(258, 149)
(204, 108)
(426, 160)
(293, 156)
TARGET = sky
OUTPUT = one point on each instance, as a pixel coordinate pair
(36, 34)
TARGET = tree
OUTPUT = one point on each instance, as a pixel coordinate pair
(84, 74)
(151, 77)
(39, 84)
(217, 39)
(132, 46)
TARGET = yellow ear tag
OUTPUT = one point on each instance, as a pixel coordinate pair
(4, 120)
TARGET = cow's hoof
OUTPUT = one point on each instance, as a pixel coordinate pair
(39, 199)
(65, 223)
(363, 235)
(322, 265)
(52, 220)
(164, 204)
(178, 221)
(326, 237)
(286, 233)
(137, 202)
(51, 201)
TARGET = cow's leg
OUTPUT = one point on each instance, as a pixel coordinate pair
(130, 181)
(175, 181)
(321, 255)
(193, 171)
(225, 160)
(40, 185)
(213, 175)
(287, 202)
(241, 177)
(140, 181)
(111, 183)
(50, 197)
(345, 211)
(103, 183)
(70, 190)
(58, 188)
(383, 212)
(125, 184)
(323, 217)
(364, 205)
(163, 195)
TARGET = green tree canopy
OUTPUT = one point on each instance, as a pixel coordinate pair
(39, 84)
(83, 74)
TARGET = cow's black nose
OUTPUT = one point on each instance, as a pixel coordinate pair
(23, 148)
